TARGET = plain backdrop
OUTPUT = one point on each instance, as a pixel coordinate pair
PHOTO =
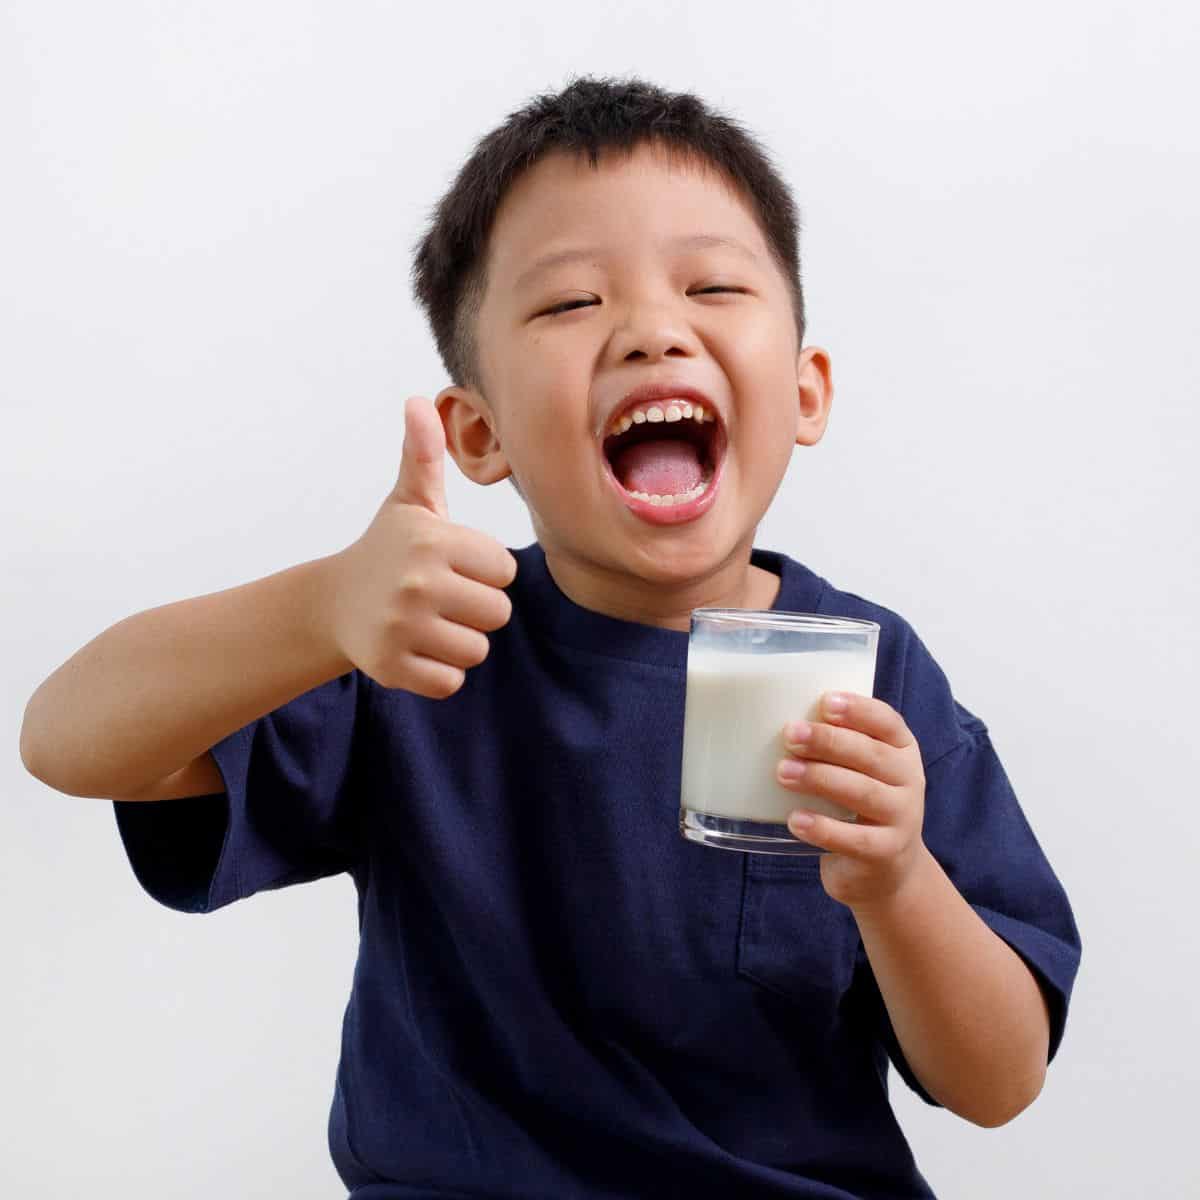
(206, 339)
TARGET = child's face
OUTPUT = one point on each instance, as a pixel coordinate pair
(552, 382)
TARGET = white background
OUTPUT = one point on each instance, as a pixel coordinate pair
(208, 212)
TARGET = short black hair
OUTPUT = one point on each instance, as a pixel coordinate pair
(588, 115)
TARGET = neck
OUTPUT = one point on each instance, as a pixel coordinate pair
(734, 583)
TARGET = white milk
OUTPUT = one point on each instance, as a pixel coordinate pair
(736, 708)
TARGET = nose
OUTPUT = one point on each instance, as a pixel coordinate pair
(652, 331)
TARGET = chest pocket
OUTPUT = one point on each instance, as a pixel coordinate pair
(794, 940)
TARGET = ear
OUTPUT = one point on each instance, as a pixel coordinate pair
(471, 435)
(814, 384)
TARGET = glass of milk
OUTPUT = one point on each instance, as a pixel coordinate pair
(750, 672)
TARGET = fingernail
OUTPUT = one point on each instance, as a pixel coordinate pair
(797, 731)
(790, 768)
(800, 819)
(835, 702)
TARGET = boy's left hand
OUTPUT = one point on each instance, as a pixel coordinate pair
(865, 758)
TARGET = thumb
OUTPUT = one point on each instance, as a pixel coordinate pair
(422, 462)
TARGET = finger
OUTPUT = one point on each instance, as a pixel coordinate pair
(868, 843)
(868, 715)
(422, 461)
(453, 644)
(478, 556)
(477, 605)
(847, 748)
(868, 798)
(431, 677)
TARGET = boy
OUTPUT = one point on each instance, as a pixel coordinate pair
(556, 994)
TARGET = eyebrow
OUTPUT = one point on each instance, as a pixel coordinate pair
(694, 241)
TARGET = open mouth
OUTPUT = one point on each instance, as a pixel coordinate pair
(666, 463)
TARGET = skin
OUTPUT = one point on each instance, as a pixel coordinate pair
(967, 1011)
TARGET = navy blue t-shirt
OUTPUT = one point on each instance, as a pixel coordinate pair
(556, 994)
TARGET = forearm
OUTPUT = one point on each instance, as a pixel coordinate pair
(968, 1013)
(159, 688)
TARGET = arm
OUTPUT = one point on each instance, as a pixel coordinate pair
(133, 713)
(967, 1012)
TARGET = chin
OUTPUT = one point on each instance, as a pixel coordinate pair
(680, 556)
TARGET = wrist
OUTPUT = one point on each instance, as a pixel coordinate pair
(320, 581)
(913, 879)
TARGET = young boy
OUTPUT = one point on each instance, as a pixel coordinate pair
(556, 994)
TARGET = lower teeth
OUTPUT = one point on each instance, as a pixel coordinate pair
(671, 501)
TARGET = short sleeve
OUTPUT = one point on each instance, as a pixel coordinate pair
(975, 828)
(288, 814)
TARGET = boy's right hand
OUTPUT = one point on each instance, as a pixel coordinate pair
(413, 598)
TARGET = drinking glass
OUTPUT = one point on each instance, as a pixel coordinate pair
(750, 672)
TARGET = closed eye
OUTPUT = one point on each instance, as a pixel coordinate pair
(571, 305)
(567, 306)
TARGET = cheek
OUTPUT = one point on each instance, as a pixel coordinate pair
(543, 369)
(763, 373)
(535, 442)
(761, 348)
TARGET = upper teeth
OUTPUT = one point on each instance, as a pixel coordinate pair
(672, 410)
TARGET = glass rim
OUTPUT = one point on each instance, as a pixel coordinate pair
(813, 622)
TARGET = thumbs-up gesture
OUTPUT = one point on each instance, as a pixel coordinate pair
(415, 596)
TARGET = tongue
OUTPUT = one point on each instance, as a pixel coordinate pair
(663, 467)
